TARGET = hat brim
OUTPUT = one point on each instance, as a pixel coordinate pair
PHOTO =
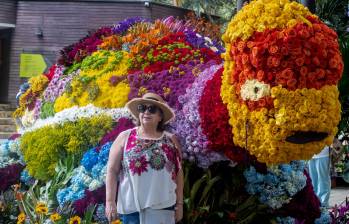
(168, 113)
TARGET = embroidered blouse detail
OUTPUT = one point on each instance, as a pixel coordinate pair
(142, 154)
(148, 175)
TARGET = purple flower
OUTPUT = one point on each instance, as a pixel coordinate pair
(91, 198)
(57, 85)
(122, 125)
(199, 41)
(176, 80)
(124, 25)
(187, 123)
(10, 175)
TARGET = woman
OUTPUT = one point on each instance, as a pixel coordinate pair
(147, 162)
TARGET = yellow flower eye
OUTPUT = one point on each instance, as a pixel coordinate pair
(254, 90)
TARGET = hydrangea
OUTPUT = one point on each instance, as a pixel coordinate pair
(90, 175)
(26, 178)
(89, 159)
(10, 153)
(278, 185)
(100, 214)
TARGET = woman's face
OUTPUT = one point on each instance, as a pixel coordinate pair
(149, 114)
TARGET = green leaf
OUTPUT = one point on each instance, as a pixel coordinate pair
(208, 188)
(89, 214)
(196, 187)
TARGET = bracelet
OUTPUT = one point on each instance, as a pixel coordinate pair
(179, 203)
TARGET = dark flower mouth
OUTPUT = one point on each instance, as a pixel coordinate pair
(302, 137)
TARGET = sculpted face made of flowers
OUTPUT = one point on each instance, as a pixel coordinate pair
(282, 65)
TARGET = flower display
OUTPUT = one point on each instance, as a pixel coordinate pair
(55, 217)
(304, 206)
(214, 122)
(41, 208)
(26, 178)
(279, 185)
(187, 124)
(71, 137)
(281, 68)
(74, 114)
(86, 46)
(75, 220)
(124, 25)
(10, 153)
(10, 175)
(100, 214)
(272, 102)
(90, 198)
(171, 50)
(89, 176)
(57, 84)
(21, 218)
(123, 124)
(93, 85)
(27, 100)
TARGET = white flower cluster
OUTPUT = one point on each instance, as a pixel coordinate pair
(82, 177)
(253, 89)
(28, 118)
(75, 113)
(10, 153)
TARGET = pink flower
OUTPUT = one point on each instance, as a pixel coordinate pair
(138, 165)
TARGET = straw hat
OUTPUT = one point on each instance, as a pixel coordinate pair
(153, 99)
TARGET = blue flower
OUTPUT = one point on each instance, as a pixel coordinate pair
(285, 220)
(89, 159)
(61, 196)
(325, 217)
(278, 185)
(104, 153)
(26, 178)
(100, 214)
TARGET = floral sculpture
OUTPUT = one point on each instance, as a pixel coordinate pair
(273, 100)
(282, 65)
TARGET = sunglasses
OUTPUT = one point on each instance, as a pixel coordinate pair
(151, 109)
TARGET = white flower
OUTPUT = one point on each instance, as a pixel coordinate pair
(76, 113)
(254, 90)
(94, 185)
(28, 118)
(207, 39)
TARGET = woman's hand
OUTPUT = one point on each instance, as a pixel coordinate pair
(179, 212)
(110, 211)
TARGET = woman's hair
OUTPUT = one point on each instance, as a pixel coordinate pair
(161, 126)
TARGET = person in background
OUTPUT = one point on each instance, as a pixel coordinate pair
(147, 162)
(320, 174)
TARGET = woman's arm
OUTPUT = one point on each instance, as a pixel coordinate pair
(179, 182)
(113, 169)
